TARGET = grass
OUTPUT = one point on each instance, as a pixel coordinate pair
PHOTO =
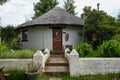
(20, 75)
(16, 74)
(43, 77)
(16, 54)
(110, 76)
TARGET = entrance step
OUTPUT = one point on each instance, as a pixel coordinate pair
(56, 69)
(57, 61)
(56, 64)
(58, 52)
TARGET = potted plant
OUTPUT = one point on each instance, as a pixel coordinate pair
(33, 70)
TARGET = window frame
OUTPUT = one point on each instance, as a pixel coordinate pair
(24, 35)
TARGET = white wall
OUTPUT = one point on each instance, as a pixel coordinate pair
(39, 38)
(74, 37)
(42, 37)
(15, 63)
(85, 66)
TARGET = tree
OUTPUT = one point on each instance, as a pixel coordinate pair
(69, 6)
(43, 6)
(8, 33)
(2, 1)
(98, 26)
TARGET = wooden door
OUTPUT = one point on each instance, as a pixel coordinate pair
(57, 39)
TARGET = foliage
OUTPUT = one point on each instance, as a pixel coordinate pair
(43, 6)
(109, 76)
(43, 77)
(98, 26)
(109, 49)
(8, 33)
(116, 37)
(8, 52)
(85, 50)
(3, 47)
(16, 74)
(20, 75)
(69, 6)
(16, 54)
(14, 46)
(3, 1)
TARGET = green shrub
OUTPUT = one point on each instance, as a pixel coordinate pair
(16, 74)
(14, 45)
(85, 50)
(3, 47)
(109, 49)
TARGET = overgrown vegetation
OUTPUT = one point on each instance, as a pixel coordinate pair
(109, 76)
(85, 50)
(43, 77)
(6, 52)
(20, 75)
(16, 74)
(8, 34)
(99, 26)
(109, 48)
(16, 54)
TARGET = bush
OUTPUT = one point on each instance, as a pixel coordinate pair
(16, 74)
(14, 45)
(85, 50)
(109, 49)
(3, 47)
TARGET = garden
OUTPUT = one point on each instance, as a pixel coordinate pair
(109, 49)
(20, 75)
(10, 53)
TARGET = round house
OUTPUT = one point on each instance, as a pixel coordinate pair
(55, 30)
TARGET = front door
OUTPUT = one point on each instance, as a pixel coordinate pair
(57, 39)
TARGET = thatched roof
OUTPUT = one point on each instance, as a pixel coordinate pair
(56, 16)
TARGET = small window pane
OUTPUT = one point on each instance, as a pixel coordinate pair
(24, 35)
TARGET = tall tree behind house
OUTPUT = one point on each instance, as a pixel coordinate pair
(43, 6)
(69, 6)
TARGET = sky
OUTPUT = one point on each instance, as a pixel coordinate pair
(16, 12)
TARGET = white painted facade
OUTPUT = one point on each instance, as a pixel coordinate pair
(74, 37)
(42, 37)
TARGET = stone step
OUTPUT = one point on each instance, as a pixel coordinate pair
(57, 62)
(61, 56)
(56, 69)
(54, 64)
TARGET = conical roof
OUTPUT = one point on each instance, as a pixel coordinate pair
(56, 16)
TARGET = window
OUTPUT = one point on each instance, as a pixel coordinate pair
(24, 35)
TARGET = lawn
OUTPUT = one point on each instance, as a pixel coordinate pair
(110, 76)
(20, 75)
(17, 54)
